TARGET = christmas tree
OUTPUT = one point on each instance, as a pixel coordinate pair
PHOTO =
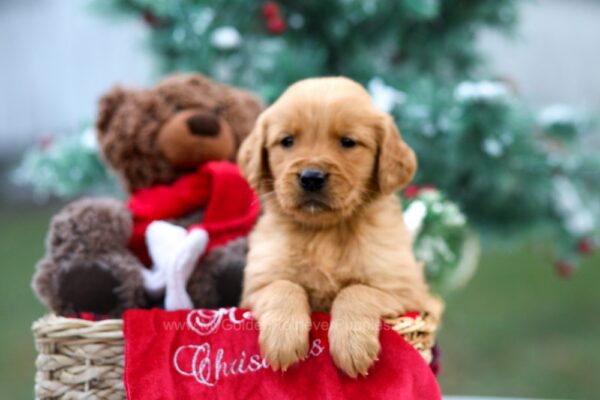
(511, 170)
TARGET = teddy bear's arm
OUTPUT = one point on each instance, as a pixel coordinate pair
(217, 281)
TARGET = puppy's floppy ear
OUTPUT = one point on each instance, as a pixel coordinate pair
(252, 156)
(396, 163)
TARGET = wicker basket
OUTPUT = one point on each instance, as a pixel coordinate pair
(80, 359)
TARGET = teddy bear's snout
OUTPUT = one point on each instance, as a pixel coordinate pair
(203, 124)
(193, 136)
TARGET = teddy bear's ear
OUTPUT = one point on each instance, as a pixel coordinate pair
(191, 90)
(185, 80)
(108, 105)
(242, 111)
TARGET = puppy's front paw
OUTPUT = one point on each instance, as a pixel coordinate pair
(354, 345)
(283, 339)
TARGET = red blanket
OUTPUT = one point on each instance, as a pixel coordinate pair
(214, 354)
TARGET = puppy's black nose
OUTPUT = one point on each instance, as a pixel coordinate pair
(312, 180)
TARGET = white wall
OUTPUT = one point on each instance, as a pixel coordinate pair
(556, 54)
(56, 58)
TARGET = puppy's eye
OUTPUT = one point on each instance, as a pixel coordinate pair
(347, 142)
(287, 141)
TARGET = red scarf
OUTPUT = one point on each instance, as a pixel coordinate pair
(230, 206)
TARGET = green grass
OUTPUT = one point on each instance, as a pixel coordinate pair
(516, 330)
(520, 330)
(21, 245)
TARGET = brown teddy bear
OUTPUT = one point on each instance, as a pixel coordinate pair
(183, 229)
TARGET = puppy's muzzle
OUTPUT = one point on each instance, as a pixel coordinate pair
(312, 180)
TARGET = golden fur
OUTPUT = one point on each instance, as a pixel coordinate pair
(345, 251)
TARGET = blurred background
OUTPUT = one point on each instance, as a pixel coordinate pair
(499, 98)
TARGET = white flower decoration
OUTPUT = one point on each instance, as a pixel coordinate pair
(481, 91)
(226, 38)
(558, 114)
(385, 97)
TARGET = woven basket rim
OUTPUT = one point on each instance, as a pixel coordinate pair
(54, 326)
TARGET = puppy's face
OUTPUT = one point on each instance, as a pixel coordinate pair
(322, 150)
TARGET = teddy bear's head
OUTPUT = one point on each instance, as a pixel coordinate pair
(155, 135)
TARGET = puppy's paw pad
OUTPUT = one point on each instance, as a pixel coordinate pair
(284, 341)
(354, 352)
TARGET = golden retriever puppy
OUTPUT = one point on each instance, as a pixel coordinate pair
(332, 238)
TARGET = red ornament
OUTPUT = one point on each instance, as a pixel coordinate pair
(270, 10)
(564, 269)
(586, 246)
(45, 142)
(276, 25)
(411, 191)
(151, 19)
